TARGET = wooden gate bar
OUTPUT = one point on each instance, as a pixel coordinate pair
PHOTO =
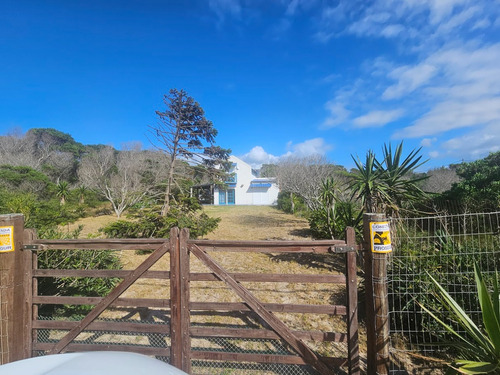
(281, 329)
(175, 300)
(184, 294)
(106, 302)
(352, 306)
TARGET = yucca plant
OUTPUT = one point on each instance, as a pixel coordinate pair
(479, 348)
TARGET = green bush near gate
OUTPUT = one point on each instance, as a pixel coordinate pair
(73, 286)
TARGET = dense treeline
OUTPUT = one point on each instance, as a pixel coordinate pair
(332, 197)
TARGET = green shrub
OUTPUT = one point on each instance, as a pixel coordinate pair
(149, 224)
(331, 223)
(73, 286)
(291, 203)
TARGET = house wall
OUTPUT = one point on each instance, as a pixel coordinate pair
(244, 193)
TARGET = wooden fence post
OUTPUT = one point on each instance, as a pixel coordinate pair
(15, 290)
(180, 353)
(184, 290)
(377, 302)
(175, 300)
(352, 304)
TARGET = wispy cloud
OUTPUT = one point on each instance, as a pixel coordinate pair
(377, 118)
(225, 8)
(452, 84)
(338, 114)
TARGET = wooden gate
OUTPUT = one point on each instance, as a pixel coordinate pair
(168, 323)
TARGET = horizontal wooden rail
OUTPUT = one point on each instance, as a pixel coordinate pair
(264, 243)
(273, 277)
(129, 327)
(260, 358)
(242, 277)
(146, 350)
(120, 302)
(146, 328)
(194, 306)
(98, 273)
(273, 307)
(97, 244)
(246, 333)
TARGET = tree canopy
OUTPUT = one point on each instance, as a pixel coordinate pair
(184, 133)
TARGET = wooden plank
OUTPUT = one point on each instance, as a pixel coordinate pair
(318, 249)
(102, 244)
(273, 277)
(115, 293)
(175, 300)
(34, 334)
(119, 302)
(245, 333)
(274, 307)
(98, 273)
(103, 326)
(263, 244)
(261, 358)
(77, 347)
(194, 306)
(277, 325)
(184, 294)
(352, 306)
(27, 295)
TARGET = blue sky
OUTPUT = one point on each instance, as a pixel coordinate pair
(276, 77)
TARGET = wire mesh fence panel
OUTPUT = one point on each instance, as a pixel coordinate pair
(106, 339)
(446, 247)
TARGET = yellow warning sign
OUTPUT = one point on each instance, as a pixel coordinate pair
(6, 239)
(380, 235)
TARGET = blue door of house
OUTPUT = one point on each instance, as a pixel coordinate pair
(222, 197)
(231, 196)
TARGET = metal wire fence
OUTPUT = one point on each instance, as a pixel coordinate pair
(446, 247)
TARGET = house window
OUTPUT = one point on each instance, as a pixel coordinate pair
(222, 197)
(230, 196)
(227, 197)
(231, 179)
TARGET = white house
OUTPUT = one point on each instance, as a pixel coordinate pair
(245, 188)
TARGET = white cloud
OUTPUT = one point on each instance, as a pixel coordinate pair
(258, 156)
(338, 114)
(377, 118)
(315, 146)
(427, 142)
(451, 115)
(409, 79)
(422, 20)
(476, 144)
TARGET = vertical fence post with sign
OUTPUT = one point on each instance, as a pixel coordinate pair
(15, 268)
(377, 246)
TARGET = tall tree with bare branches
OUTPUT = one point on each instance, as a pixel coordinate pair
(184, 134)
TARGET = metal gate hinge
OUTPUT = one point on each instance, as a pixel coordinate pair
(33, 247)
(342, 249)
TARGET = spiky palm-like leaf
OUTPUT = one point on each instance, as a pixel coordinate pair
(480, 348)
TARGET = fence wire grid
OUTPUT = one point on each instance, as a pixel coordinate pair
(446, 247)
(212, 367)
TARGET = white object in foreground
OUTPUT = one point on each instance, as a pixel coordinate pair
(95, 363)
